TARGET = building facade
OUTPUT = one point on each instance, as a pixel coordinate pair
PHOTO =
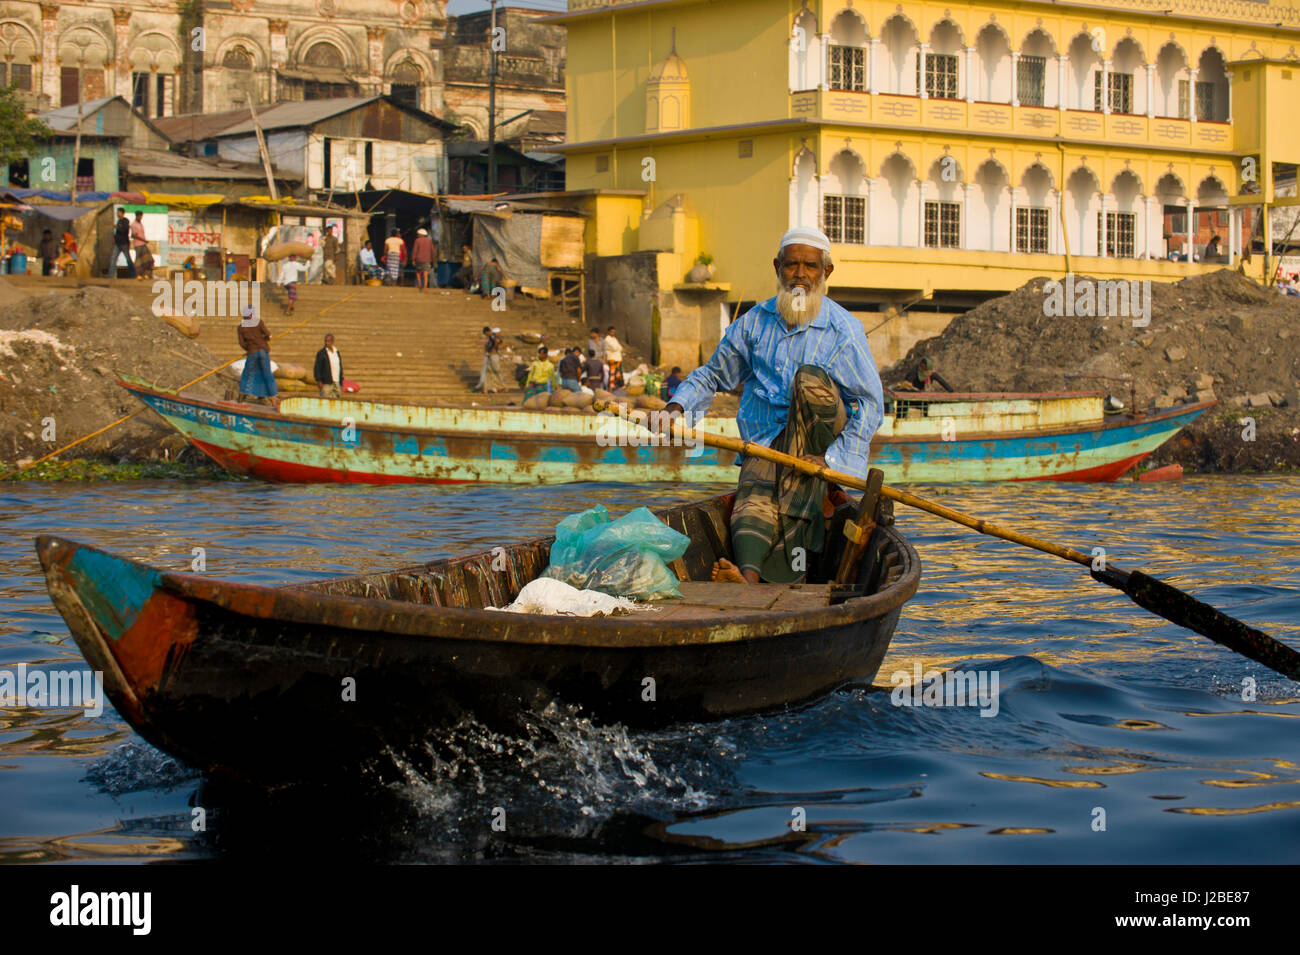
(948, 150)
(212, 55)
(530, 77)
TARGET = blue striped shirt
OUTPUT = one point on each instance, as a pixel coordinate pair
(762, 352)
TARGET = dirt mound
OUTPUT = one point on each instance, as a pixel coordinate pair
(1217, 335)
(60, 352)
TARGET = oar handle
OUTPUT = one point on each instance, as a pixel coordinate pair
(848, 480)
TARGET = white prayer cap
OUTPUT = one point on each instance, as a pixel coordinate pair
(806, 235)
(422, 232)
(247, 311)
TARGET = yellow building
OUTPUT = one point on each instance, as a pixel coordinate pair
(949, 150)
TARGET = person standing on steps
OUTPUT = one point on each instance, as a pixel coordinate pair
(256, 381)
(394, 256)
(329, 370)
(422, 259)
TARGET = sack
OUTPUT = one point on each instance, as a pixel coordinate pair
(579, 400)
(350, 387)
(558, 396)
(282, 250)
(537, 402)
(624, 558)
(185, 324)
(650, 401)
(291, 370)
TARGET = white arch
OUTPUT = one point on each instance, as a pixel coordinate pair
(251, 46)
(162, 46)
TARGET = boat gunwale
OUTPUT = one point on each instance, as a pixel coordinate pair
(1094, 426)
(638, 630)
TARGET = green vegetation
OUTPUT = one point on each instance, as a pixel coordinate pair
(19, 136)
(80, 469)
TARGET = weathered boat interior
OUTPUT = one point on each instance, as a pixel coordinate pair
(472, 582)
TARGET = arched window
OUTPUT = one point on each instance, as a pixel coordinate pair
(993, 195)
(1032, 77)
(848, 55)
(844, 207)
(803, 189)
(1033, 220)
(405, 86)
(1172, 82)
(1211, 87)
(1120, 92)
(902, 46)
(237, 58)
(1117, 232)
(1085, 63)
(941, 62)
(324, 55)
(900, 182)
(1082, 189)
(943, 214)
(805, 52)
(992, 82)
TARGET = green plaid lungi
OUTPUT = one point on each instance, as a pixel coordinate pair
(779, 509)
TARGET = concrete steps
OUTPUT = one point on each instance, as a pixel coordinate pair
(399, 344)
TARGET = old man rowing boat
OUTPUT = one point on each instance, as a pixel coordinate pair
(811, 391)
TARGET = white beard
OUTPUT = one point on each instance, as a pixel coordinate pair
(812, 303)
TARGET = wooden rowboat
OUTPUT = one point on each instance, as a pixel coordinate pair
(310, 681)
(924, 438)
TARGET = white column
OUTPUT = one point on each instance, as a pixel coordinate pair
(970, 75)
(1011, 245)
(1101, 228)
(1191, 94)
(1140, 232)
(825, 65)
(1230, 96)
(871, 203)
(1061, 89)
(1191, 226)
(1015, 76)
(920, 213)
(871, 65)
(924, 55)
(821, 204)
(1232, 235)
(1105, 86)
(1151, 91)
(965, 215)
(1055, 241)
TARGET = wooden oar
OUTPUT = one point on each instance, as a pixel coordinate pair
(1160, 598)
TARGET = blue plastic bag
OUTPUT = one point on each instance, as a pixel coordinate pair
(624, 558)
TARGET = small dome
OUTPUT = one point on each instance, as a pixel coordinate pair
(670, 70)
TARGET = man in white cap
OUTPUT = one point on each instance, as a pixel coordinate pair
(811, 390)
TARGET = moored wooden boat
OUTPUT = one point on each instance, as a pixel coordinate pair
(277, 685)
(924, 438)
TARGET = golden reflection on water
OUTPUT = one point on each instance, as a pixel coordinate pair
(1054, 783)
(102, 845)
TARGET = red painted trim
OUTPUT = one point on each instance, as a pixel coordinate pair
(1102, 472)
(286, 472)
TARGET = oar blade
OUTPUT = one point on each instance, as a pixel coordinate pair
(1181, 608)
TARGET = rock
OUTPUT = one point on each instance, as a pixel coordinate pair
(1259, 400)
(1175, 353)
(1177, 392)
(1239, 401)
(1204, 381)
(1206, 395)
(1277, 400)
(1164, 401)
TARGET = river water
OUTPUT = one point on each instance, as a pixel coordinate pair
(1117, 737)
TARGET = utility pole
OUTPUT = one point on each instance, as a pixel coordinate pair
(492, 103)
(76, 146)
(261, 148)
